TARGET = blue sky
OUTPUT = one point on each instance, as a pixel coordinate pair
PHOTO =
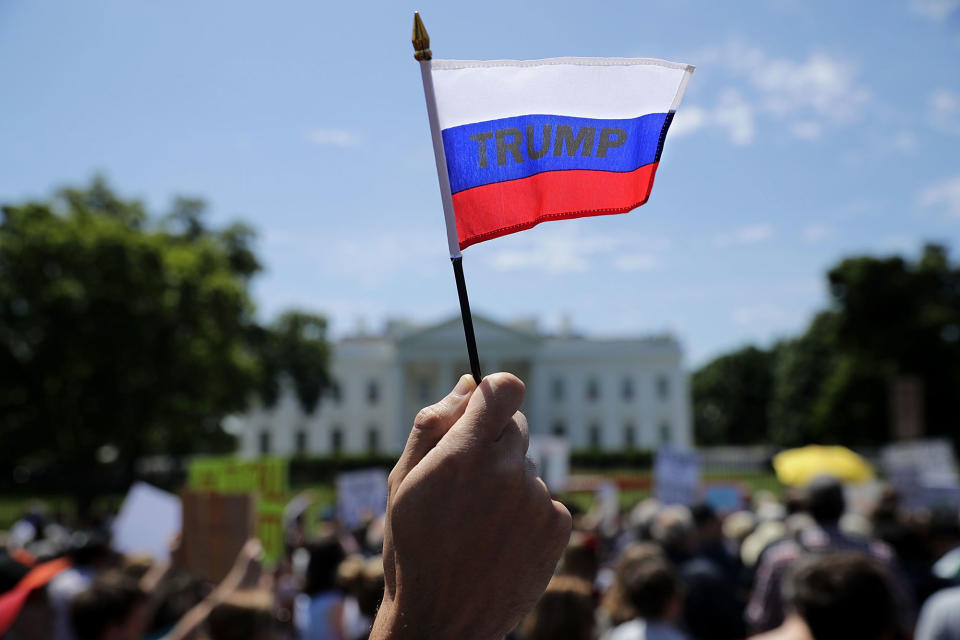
(810, 130)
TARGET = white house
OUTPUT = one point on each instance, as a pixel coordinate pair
(608, 394)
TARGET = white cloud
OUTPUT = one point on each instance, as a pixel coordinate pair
(945, 195)
(750, 234)
(333, 137)
(943, 108)
(732, 115)
(562, 251)
(817, 232)
(935, 9)
(806, 130)
(568, 248)
(904, 140)
(636, 262)
(809, 93)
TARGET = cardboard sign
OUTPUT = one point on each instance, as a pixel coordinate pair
(552, 457)
(677, 476)
(265, 478)
(361, 496)
(215, 528)
(148, 522)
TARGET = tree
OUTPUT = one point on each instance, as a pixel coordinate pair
(294, 349)
(731, 396)
(902, 317)
(123, 329)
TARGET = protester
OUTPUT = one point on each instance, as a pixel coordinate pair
(564, 612)
(940, 617)
(654, 592)
(827, 504)
(471, 537)
(837, 596)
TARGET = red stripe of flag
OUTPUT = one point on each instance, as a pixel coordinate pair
(494, 210)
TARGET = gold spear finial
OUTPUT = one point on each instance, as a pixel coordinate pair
(421, 39)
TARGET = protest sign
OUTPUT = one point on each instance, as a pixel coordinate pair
(677, 476)
(148, 522)
(265, 478)
(552, 457)
(924, 472)
(361, 496)
(215, 528)
(725, 497)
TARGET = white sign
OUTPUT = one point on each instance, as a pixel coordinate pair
(552, 457)
(924, 472)
(361, 496)
(931, 460)
(148, 521)
(677, 476)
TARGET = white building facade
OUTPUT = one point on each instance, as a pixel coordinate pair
(605, 394)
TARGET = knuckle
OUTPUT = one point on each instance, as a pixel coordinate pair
(427, 418)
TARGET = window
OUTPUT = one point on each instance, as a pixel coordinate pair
(666, 434)
(594, 436)
(663, 387)
(337, 392)
(423, 389)
(301, 442)
(557, 389)
(559, 429)
(373, 439)
(626, 391)
(593, 389)
(264, 442)
(373, 392)
(629, 436)
(336, 441)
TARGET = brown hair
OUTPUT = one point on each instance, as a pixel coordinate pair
(108, 601)
(564, 612)
(617, 603)
(242, 615)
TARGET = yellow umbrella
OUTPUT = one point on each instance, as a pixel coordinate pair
(797, 467)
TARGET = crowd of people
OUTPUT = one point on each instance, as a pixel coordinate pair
(473, 546)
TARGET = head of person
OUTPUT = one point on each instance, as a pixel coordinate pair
(322, 568)
(842, 595)
(653, 590)
(112, 608)
(674, 531)
(246, 614)
(617, 602)
(825, 500)
(564, 612)
(371, 585)
(581, 558)
(706, 523)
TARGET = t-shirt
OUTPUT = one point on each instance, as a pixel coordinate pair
(940, 617)
(640, 629)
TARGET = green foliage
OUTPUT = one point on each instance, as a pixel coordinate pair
(294, 348)
(731, 396)
(124, 329)
(889, 317)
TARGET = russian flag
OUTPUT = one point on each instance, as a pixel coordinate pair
(528, 141)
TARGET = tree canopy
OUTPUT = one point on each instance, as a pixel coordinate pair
(137, 331)
(888, 317)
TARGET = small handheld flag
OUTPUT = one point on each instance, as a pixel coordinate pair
(520, 142)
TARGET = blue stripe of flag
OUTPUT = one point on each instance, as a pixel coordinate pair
(466, 155)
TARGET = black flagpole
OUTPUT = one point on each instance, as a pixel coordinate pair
(422, 53)
(467, 318)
